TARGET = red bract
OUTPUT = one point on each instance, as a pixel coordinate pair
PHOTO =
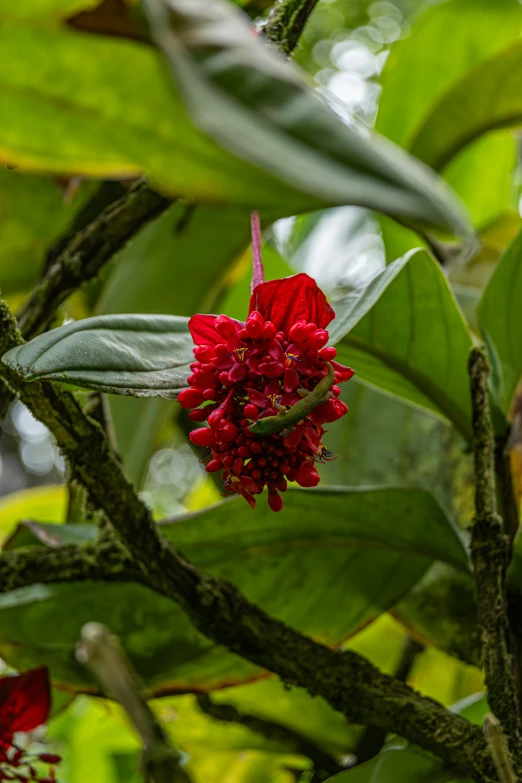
(244, 372)
(24, 705)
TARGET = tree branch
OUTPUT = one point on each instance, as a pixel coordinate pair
(88, 251)
(286, 23)
(348, 682)
(324, 764)
(489, 550)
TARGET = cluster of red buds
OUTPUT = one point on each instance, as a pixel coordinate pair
(246, 372)
(24, 705)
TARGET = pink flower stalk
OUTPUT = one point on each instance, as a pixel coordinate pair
(247, 371)
(24, 704)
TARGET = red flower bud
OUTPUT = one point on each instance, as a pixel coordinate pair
(307, 477)
(275, 501)
(318, 339)
(269, 330)
(50, 758)
(213, 466)
(225, 326)
(200, 414)
(327, 354)
(202, 437)
(190, 398)
(298, 332)
(250, 411)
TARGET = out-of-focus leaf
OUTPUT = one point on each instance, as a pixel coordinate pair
(101, 106)
(248, 99)
(500, 319)
(44, 10)
(284, 563)
(482, 174)
(441, 611)
(486, 99)
(405, 334)
(45, 503)
(33, 214)
(138, 355)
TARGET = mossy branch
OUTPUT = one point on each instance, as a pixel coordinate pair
(287, 22)
(489, 550)
(88, 251)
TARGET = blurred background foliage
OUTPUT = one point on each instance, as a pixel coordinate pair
(381, 64)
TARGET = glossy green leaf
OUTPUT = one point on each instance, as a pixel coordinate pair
(405, 334)
(499, 315)
(486, 99)
(372, 545)
(138, 355)
(98, 106)
(47, 503)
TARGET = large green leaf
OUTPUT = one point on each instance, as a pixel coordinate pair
(482, 174)
(369, 545)
(93, 105)
(486, 99)
(138, 355)
(44, 9)
(499, 315)
(405, 334)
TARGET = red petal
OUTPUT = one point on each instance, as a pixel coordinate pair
(292, 299)
(25, 700)
(203, 330)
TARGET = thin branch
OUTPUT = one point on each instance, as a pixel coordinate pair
(287, 22)
(348, 682)
(88, 251)
(499, 750)
(325, 765)
(258, 274)
(489, 549)
(101, 652)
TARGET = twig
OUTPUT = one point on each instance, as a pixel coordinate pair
(499, 750)
(325, 765)
(88, 252)
(100, 651)
(489, 548)
(286, 23)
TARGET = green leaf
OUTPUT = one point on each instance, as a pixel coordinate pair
(137, 355)
(372, 545)
(405, 334)
(486, 99)
(49, 503)
(44, 10)
(482, 174)
(499, 316)
(98, 106)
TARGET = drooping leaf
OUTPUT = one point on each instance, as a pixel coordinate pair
(138, 355)
(93, 105)
(377, 544)
(405, 334)
(485, 99)
(499, 315)
(253, 104)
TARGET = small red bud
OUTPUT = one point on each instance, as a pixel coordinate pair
(202, 437)
(50, 758)
(306, 477)
(237, 467)
(298, 332)
(225, 326)
(327, 354)
(200, 414)
(275, 502)
(269, 331)
(213, 466)
(190, 398)
(318, 339)
(250, 411)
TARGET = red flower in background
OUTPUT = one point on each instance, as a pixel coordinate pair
(24, 705)
(244, 372)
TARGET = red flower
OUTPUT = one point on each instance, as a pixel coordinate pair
(24, 704)
(244, 372)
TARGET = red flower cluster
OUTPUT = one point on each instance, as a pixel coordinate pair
(245, 372)
(24, 704)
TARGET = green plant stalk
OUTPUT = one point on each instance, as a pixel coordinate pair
(489, 552)
(298, 412)
(286, 23)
